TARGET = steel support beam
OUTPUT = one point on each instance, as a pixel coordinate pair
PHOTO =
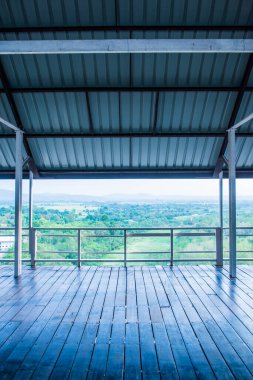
(126, 28)
(238, 101)
(232, 202)
(119, 89)
(123, 135)
(126, 173)
(18, 205)
(121, 46)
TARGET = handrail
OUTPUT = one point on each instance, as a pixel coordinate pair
(125, 256)
(121, 253)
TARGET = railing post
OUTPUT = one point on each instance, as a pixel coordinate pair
(125, 249)
(33, 246)
(79, 248)
(171, 247)
(219, 246)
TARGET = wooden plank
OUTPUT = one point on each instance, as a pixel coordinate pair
(20, 350)
(132, 352)
(136, 322)
(68, 353)
(187, 319)
(235, 352)
(54, 348)
(115, 361)
(45, 320)
(131, 301)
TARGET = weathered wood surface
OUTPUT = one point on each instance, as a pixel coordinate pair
(149, 322)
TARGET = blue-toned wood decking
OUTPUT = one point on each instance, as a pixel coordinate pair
(141, 323)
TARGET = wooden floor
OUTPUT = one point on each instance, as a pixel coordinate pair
(140, 323)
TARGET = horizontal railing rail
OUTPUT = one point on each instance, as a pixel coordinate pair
(39, 249)
(42, 252)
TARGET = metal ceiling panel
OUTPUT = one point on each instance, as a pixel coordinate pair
(122, 12)
(195, 111)
(119, 70)
(67, 70)
(53, 112)
(244, 148)
(125, 112)
(125, 153)
(245, 110)
(185, 12)
(57, 12)
(7, 154)
(5, 113)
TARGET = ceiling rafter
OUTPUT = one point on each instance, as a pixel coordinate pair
(127, 28)
(123, 135)
(84, 89)
(238, 101)
(10, 98)
(126, 173)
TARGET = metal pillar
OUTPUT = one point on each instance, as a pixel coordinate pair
(18, 204)
(32, 237)
(232, 202)
(30, 200)
(220, 258)
(221, 198)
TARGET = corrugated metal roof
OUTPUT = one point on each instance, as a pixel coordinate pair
(123, 70)
(7, 154)
(246, 108)
(126, 112)
(119, 70)
(244, 148)
(59, 112)
(5, 113)
(109, 12)
(194, 111)
(125, 153)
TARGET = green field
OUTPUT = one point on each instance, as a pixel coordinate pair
(193, 214)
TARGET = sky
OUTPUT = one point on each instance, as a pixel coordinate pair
(173, 187)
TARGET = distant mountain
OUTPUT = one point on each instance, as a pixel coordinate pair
(7, 196)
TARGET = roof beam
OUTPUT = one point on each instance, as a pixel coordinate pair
(10, 98)
(238, 101)
(120, 46)
(126, 28)
(126, 173)
(126, 89)
(123, 135)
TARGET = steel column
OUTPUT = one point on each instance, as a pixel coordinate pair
(220, 259)
(232, 202)
(30, 199)
(31, 234)
(125, 248)
(171, 247)
(18, 204)
(79, 248)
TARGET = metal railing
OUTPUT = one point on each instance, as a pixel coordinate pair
(126, 255)
(37, 238)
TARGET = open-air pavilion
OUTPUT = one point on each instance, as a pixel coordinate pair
(126, 89)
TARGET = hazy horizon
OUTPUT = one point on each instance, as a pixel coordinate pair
(152, 187)
(202, 189)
